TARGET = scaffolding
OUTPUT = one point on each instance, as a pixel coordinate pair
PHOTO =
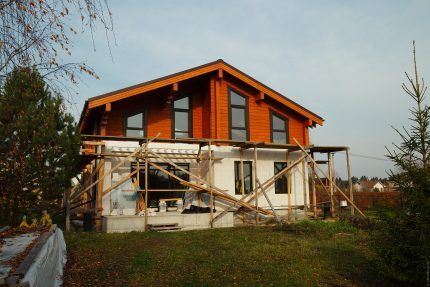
(88, 192)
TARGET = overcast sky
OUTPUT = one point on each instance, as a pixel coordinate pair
(344, 60)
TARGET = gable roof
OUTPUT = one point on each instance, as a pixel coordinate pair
(191, 73)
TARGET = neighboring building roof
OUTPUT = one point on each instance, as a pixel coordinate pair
(191, 73)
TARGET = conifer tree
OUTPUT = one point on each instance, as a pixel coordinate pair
(403, 238)
(39, 146)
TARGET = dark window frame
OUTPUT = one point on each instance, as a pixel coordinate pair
(172, 181)
(144, 122)
(189, 111)
(246, 108)
(287, 126)
(237, 176)
(284, 177)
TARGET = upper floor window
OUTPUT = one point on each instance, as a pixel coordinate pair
(135, 125)
(279, 129)
(182, 118)
(238, 117)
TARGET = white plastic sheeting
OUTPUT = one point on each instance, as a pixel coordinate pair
(47, 268)
(11, 248)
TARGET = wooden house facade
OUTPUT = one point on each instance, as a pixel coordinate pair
(218, 145)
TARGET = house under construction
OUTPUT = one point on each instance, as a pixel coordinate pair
(205, 147)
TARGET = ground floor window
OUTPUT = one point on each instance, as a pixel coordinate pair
(281, 184)
(247, 176)
(162, 182)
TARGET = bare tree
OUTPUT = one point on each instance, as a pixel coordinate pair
(38, 33)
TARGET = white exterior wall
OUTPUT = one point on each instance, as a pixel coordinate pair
(223, 174)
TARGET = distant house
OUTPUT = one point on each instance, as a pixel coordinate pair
(356, 186)
(378, 186)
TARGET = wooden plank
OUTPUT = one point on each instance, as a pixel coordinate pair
(121, 181)
(266, 185)
(220, 193)
(305, 194)
(338, 189)
(256, 183)
(210, 185)
(330, 176)
(268, 200)
(348, 169)
(290, 210)
(109, 172)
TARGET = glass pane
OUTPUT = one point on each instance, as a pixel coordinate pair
(182, 103)
(237, 99)
(237, 118)
(278, 123)
(280, 137)
(181, 121)
(135, 121)
(238, 135)
(134, 133)
(281, 184)
(181, 135)
(247, 176)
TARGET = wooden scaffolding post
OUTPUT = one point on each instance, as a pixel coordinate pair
(337, 188)
(100, 186)
(348, 169)
(290, 209)
(198, 173)
(211, 184)
(330, 175)
(305, 195)
(67, 203)
(242, 184)
(256, 184)
(314, 193)
(146, 186)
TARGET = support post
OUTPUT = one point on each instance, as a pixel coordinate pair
(330, 175)
(99, 207)
(348, 169)
(305, 195)
(337, 188)
(242, 184)
(198, 173)
(314, 193)
(290, 210)
(256, 184)
(211, 184)
(68, 191)
(146, 186)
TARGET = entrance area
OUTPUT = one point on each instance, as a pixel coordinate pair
(163, 186)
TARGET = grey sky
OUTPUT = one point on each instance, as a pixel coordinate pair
(344, 60)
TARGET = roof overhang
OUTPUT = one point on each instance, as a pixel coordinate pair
(131, 91)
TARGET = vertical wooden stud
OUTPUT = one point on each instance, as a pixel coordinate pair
(348, 169)
(255, 184)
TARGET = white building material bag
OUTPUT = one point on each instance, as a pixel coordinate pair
(47, 268)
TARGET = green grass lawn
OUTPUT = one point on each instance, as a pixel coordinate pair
(316, 254)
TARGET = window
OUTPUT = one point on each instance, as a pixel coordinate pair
(247, 177)
(135, 125)
(238, 117)
(279, 129)
(160, 180)
(181, 118)
(281, 184)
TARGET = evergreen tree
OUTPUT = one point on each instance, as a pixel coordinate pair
(403, 238)
(39, 146)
